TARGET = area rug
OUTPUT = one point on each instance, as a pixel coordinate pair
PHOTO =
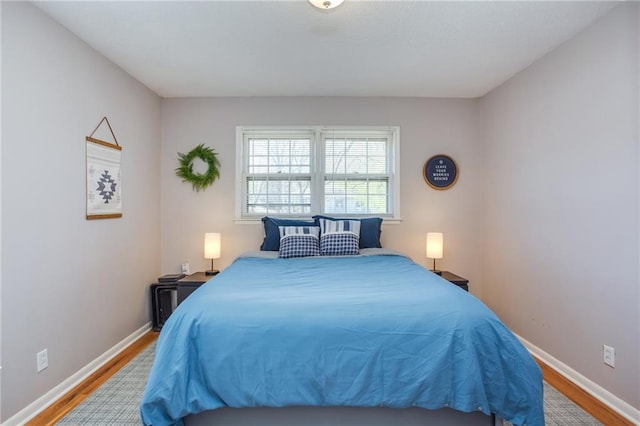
(117, 401)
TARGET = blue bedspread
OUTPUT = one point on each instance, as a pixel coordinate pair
(351, 331)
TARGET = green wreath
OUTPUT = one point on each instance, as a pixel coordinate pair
(200, 181)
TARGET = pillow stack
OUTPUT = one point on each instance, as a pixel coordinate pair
(370, 229)
(324, 236)
(299, 241)
(272, 226)
(339, 237)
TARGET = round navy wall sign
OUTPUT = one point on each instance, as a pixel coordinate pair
(440, 172)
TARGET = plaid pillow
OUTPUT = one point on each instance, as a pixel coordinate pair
(299, 245)
(339, 244)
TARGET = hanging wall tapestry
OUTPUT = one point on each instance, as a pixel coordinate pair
(104, 185)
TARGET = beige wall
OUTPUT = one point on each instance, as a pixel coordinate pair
(72, 286)
(427, 127)
(560, 247)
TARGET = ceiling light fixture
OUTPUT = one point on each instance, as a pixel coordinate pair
(326, 4)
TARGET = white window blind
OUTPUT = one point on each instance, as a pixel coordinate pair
(278, 179)
(357, 175)
(298, 172)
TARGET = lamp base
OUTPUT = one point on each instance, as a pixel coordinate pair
(436, 271)
(212, 272)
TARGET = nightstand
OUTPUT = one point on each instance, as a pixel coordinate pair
(189, 284)
(463, 283)
(162, 297)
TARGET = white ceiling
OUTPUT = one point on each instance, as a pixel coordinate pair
(288, 48)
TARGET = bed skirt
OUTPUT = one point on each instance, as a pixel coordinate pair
(339, 416)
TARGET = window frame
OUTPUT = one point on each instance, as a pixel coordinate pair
(317, 165)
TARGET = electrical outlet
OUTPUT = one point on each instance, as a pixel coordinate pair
(42, 360)
(609, 355)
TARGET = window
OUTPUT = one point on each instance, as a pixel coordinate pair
(300, 172)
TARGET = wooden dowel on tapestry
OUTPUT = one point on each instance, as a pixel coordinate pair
(104, 143)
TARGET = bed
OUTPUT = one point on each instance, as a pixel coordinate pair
(336, 338)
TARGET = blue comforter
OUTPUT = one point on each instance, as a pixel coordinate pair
(351, 331)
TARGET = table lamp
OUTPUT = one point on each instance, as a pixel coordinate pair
(211, 250)
(435, 248)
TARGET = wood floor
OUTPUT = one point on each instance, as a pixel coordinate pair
(581, 398)
(72, 399)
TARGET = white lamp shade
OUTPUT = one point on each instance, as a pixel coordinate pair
(435, 245)
(211, 245)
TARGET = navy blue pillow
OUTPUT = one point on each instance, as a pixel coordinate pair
(271, 240)
(370, 230)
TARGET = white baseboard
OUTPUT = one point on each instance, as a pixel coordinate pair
(37, 406)
(598, 392)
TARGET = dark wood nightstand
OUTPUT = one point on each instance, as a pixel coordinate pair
(189, 284)
(463, 283)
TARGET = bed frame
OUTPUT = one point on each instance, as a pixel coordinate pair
(339, 416)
